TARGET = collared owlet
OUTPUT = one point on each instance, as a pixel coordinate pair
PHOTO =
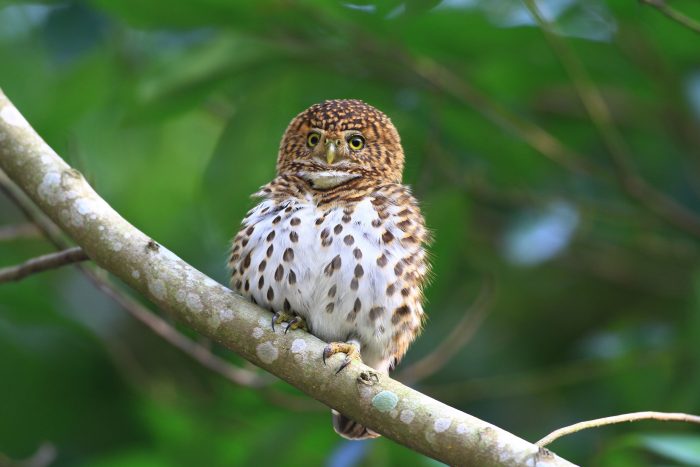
(336, 243)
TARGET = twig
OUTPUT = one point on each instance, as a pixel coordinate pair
(460, 335)
(629, 417)
(14, 232)
(374, 400)
(538, 138)
(631, 182)
(42, 263)
(674, 14)
(151, 320)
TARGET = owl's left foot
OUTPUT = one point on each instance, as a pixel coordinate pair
(350, 349)
(293, 321)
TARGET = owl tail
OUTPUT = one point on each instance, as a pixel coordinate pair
(350, 429)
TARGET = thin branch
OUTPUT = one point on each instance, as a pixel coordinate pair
(458, 338)
(43, 263)
(629, 417)
(14, 232)
(674, 14)
(630, 181)
(535, 136)
(199, 353)
(151, 320)
(374, 400)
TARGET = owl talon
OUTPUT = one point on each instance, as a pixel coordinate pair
(293, 321)
(350, 349)
(296, 323)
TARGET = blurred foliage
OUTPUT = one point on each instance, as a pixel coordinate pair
(174, 111)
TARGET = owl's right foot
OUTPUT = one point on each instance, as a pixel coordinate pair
(351, 349)
(293, 321)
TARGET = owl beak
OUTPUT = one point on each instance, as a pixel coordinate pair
(331, 152)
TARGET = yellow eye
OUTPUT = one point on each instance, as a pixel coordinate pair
(356, 142)
(312, 139)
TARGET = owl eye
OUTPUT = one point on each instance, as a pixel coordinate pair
(312, 139)
(356, 142)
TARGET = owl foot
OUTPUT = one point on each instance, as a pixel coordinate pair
(350, 349)
(293, 321)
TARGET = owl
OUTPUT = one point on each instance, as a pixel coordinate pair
(336, 244)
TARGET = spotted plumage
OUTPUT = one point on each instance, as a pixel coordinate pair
(337, 240)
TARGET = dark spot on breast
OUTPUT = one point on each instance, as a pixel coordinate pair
(270, 294)
(246, 286)
(270, 249)
(390, 290)
(381, 261)
(354, 283)
(357, 253)
(332, 291)
(261, 282)
(376, 223)
(359, 271)
(398, 269)
(293, 236)
(286, 305)
(357, 306)
(409, 239)
(276, 220)
(279, 273)
(346, 218)
(249, 230)
(288, 255)
(333, 265)
(246, 261)
(337, 229)
(292, 278)
(376, 312)
(349, 240)
(405, 291)
(325, 233)
(271, 236)
(329, 307)
(295, 221)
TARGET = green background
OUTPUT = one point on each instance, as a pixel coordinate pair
(174, 111)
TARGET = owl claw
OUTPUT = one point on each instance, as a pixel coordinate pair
(293, 321)
(350, 349)
(296, 323)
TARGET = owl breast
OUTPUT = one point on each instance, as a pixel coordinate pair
(352, 270)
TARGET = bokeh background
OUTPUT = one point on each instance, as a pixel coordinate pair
(583, 289)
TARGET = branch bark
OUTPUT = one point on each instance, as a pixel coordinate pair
(377, 401)
(42, 263)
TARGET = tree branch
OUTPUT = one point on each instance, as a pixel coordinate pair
(152, 321)
(42, 263)
(375, 400)
(674, 14)
(628, 417)
(632, 184)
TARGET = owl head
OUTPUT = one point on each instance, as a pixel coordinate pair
(336, 141)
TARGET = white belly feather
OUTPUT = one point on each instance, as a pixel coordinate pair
(348, 301)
